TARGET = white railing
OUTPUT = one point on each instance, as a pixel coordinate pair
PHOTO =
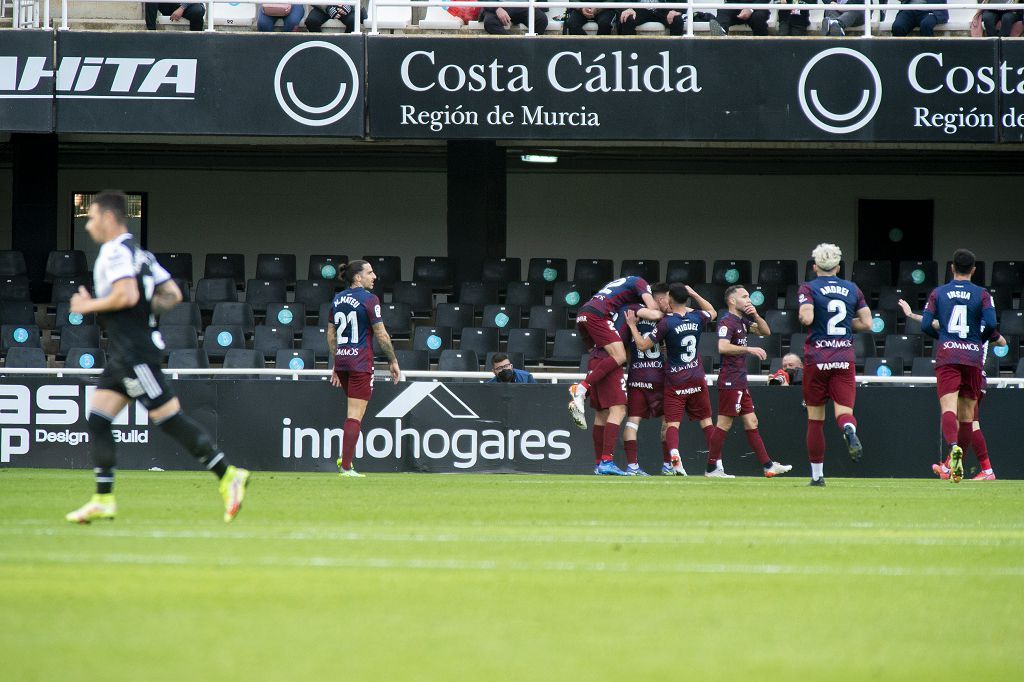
(541, 377)
(687, 8)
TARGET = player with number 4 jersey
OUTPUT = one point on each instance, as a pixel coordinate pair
(966, 321)
(832, 309)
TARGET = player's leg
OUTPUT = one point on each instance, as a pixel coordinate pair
(673, 406)
(597, 433)
(965, 431)
(604, 336)
(698, 409)
(728, 409)
(616, 415)
(949, 382)
(358, 387)
(771, 467)
(842, 389)
(666, 456)
(981, 451)
(631, 446)
(816, 443)
(103, 407)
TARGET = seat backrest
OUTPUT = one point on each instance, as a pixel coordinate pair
(529, 342)
(233, 312)
(388, 270)
(65, 264)
(280, 266)
(482, 340)
(432, 339)
(884, 366)
(1008, 274)
(593, 271)
(458, 361)
(918, 273)
(434, 271)
(291, 315)
(686, 272)
(729, 272)
(779, 273)
(568, 344)
(179, 336)
(213, 290)
(190, 358)
(313, 293)
(872, 273)
(454, 315)
(221, 265)
(178, 264)
(218, 339)
(547, 271)
(23, 312)
(15, 288)
(649, 270)
(24, 357)
(418, 360)
(324, 266)
(15, 335)
(397, 318)
(183, 313)
(80, 336)
(269, 339)
(288, 358)
(243, 358)
(85, 358)
(12, 263)
(503, 317)
(260, 292)
(524, 294)
(480, 293)
(501, 271)
(314, 338)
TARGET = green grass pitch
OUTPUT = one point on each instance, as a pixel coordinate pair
(475, 577)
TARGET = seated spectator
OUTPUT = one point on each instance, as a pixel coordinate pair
(268, 15)
(793, 22)
(629, 19)
(999, 22)
(837, 19)
(724, 19)
(925, 20)
(321, 14)
(498, 20)
(791, 373)
(576, 19)
(193, 12)
(505, 373)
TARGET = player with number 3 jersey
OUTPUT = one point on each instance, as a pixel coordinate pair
(832, 309)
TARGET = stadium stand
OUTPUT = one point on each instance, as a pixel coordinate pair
(270, 339)
(503, 317)
(276, 266)
(419, 297)
(314, 339)
(458, 361)
(243, 358)
(14, 288)
(435, 272)
(650, 270)
(729, 272)
(179, 336)
(259, 293)
(65, 287)
(229, 265)
(547, 271)
(524, 295)
(1008, 275)
(918, 273)
(177, 263)
(481, 340)
(213, 290)
(183, 313)
(287, 358)
(397, 318)
(324, 266)
(777, 273)
(529, 342)
(86, 358)
(25, 357)
(388, 270)
(312, 293)
(19, 336)
(454, 315)
(235, 313)
(18, 312)
(479, 294)
(874, 366)
(417, 360)
(12, 263)
(500, 271)
(432, 339)
(905, 347)
(593, 273)
(65, 264)
(291, 315)
(868, 274)
(78, 336)
(567, 348)
(690, 272)
(219, 339)
(192, 358)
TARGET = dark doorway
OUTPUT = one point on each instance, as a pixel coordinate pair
(895, 230)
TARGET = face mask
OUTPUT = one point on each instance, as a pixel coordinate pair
(506, 375)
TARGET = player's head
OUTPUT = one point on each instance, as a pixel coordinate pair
(737, 298)
(963, 263)
(108, 215)
(827, 258)
(502, 367)
(660, 293)
(792, 361)
(678, 296)
(359, 274)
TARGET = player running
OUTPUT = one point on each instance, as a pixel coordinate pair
(131, 290)
(354, 312)
(645, 384)
(978, 442)
(967, 319)
(605, 380)
(686, 389)
(734, 398)
(833, 309)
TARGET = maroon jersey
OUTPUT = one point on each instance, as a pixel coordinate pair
(734, 367)
(646, 367)
(681, 334)
(964, 310)
(830, 336)
(616, 295)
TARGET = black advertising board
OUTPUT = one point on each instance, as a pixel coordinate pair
(464, 428)
(26, 82)
(179, 83)
(867, 90)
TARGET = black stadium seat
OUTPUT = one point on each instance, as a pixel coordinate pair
(179, 336)
(784, 322)
(85, 358)
(729, 272)
(864, 346)
(259, 293)
(764, 296)
(80, 336)
(65, 264)
(772, 345)
(481, 340)
(64, 317)
(432, 339)
(12, 263)
(504, 317)
(65, 287)
(1001, 359)
(433, 271)
(1011, 322)
(458, 361)
(650, 270)
(419, 297)
(530, 342)
(796, 343)
(219, 339)
(314, 338)
(872, 366)
(211, 291)
(1008, 274)
(712, 293)
(177, 263)
(22, 312)
(454, 315)
(229, 265)
(288, 358)
(291, 315)
(479, 294)
(548, 318)
(922, 367)
(777, 273)
(280, 266)
(416, 360)
(388, 270)
(906, 347)
(570, 296)
(268, 339)
(883, 322)
(183, 313)
(567, 348)
(397, 318)
(191, 358)
(313, 293)
(924, 273)
(547, 271)
(24, 357)
(524, 294)
(242, 358)
(500, 271)
(323, 266)
(234, 313)
(15, 288)
(185, 288)
(686, 272)
(1002, 299)
(872, 273)
(593, 272)
(19, 336)
(1019, 373)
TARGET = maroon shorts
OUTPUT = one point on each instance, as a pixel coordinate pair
(645, 403)
(692, 399)
(734, 402)
(838, 384)
(596, 332)
(962, 379)
(611, 390)
(358, 385)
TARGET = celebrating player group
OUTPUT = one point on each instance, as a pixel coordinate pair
(644, 364)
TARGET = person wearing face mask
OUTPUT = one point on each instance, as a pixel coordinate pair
(505, 373)
(791, 373)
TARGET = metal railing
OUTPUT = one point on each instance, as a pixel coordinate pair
(541, 377)
(687, 8)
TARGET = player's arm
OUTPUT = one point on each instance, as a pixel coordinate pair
(862, 322)
(384, 342)
(650, 315)
(929, 325)
(702, 302)
(332, 339)
(991, 325)
(643, 343)
(124, 293)
(650, 303)
(725, 347)
(760, 327)
(166, 296)
(908, 312)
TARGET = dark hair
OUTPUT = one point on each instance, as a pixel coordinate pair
(659, 288)
(732, 290)
(677, 292)
(498, 357)
(963, 261)
(353, 268)
(114, 201)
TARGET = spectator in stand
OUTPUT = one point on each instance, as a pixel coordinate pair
(629, 19)
(268, 15)
(926, 20)
(793, 22)
(757, 20)
(575, 19)
(192, 12)
(321, 14)
(838, 20)
(505, 373)
(999, 22)
(498, 20)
